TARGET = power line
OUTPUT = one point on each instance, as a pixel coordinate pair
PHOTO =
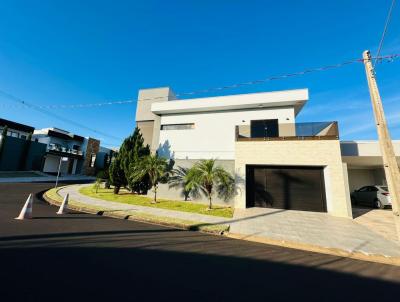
(39, 109)
(384, 31)
(388, 58)
(43, 108)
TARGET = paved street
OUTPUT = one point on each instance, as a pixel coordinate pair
(299, 227)
(80, 256)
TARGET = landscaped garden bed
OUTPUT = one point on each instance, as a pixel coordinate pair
(135, 199)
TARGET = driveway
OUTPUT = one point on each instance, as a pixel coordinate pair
(81, 256)
(380, 221)
(314, 229)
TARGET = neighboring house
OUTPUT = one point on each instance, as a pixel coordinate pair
(364, 162)
(104, 157)
(45, 149)
(16, 130)
(277, 162)
(17, 152)
(80, 151)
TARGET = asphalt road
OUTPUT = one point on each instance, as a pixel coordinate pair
(79, 256)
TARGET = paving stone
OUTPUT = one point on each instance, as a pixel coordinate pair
(318, 229)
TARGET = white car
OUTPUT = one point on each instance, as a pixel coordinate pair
(376, 196)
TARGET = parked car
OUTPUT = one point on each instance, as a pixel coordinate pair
(375, 196)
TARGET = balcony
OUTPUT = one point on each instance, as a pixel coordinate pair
(288, 131)
(57, 149)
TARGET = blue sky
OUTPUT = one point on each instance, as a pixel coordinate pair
(72, 52)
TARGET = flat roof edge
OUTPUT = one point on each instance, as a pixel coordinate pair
(295, 97)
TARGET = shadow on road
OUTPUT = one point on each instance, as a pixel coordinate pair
(73, 273)
(55, 259)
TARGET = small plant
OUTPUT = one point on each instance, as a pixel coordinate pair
(207, 177)
(178, 180)
(97, 184)
(153, 167)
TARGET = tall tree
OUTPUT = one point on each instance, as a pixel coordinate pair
(207, 177)
(117, 175)
(130, 154)
(153, 167)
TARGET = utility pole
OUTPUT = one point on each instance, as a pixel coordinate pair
(390, 166)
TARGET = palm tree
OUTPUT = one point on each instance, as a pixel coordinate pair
(152, 166)
(206, 176)
(178, 179)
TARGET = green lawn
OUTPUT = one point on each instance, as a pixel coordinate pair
(184, 206)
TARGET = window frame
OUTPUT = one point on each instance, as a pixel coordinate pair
(181, 126)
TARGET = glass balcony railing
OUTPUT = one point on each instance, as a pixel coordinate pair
(61, 149)
(288, 131)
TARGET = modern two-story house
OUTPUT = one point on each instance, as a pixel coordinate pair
(277, 162)
(15, 129)
(80, 151)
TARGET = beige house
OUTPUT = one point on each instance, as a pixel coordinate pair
(277, 162)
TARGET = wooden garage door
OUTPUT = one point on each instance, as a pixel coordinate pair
(292, 188)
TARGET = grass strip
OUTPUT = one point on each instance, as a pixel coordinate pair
(54, 198)
(134, 199)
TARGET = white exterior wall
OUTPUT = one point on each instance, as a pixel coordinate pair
(213, 135)
(360, 177)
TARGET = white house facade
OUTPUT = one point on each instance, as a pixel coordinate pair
(276, 162)
(82, 153)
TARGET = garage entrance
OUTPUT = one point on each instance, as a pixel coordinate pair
(285, 187)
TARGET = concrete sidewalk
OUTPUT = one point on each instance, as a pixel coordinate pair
(298, 229)
(47, 178)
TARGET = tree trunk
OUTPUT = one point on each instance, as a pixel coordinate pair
(155, 195)
(210, 202)
(107, 184)
(116, 189)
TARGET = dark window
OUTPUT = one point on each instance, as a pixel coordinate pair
(363, 189)
(177, 126)
(264, 128)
